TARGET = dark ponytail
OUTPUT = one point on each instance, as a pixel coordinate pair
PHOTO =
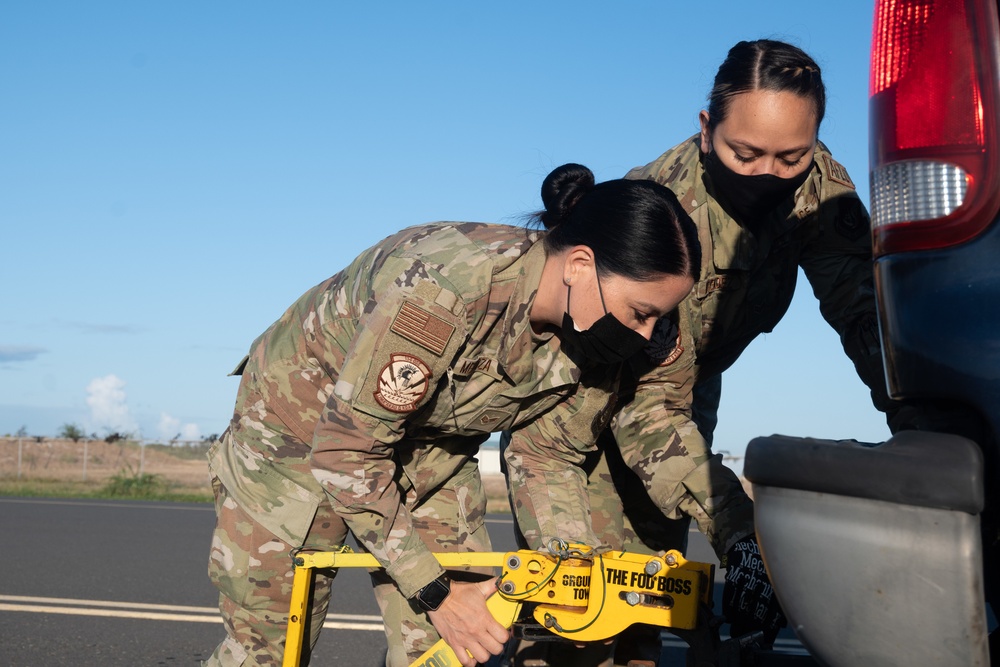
(637, 229)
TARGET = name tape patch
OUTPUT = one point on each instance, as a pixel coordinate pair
(836, 172)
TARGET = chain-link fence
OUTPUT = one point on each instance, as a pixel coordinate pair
(179, 463)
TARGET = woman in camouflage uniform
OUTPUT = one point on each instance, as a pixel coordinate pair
(362, 408)
(768, 199)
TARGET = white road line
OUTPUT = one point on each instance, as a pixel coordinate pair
(113, 613)
(110, 609)
(105, 608)
(104, 603)
(157, 607)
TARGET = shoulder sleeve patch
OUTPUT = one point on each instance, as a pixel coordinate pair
(664, 347)
(402, 383)
(836, 172)
(851, 222)
(422, 327)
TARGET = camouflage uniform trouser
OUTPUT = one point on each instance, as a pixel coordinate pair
(252, 569)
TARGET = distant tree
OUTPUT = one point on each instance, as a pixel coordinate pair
(22, 432)
(72, 432)
(210, 438)
(114, 437)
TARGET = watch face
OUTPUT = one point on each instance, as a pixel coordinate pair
(433, 594)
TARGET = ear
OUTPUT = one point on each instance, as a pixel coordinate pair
(706, 134)
(579, 261)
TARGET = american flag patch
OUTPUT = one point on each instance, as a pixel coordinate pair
(421, 327)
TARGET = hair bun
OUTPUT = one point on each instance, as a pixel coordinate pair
(562, 189)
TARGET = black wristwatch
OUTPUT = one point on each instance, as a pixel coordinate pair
(430, 597)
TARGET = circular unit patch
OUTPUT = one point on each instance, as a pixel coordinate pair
(664, 346)
(402, 383)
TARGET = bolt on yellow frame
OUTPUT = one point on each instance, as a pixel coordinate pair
(583, 595)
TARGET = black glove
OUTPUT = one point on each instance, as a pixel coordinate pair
(748, 600)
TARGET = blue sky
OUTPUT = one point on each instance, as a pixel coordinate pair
(176, 174)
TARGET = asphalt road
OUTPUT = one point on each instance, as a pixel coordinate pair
(124, 584)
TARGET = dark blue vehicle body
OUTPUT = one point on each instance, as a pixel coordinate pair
(940, 322)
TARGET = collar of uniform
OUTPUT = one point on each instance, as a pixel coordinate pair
(732, 246)
(534, 361)
(806, 202)
(810, 194)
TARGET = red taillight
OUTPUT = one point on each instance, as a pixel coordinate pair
(933, 115)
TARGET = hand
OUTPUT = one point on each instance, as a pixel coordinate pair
(748, 600)
(465, 623)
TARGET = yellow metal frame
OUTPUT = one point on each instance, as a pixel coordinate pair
(582, 595)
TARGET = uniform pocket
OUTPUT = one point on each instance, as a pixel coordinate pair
(471, 497)
(453, 516)
(282, 500)
(245, 558)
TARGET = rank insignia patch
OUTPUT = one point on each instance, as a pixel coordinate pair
(492, 418)
(402, 383)
(421, 327)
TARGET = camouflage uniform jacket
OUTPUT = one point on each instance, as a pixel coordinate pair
(378, 384)
(746, 285)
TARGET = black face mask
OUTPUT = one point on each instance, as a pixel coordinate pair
(607, 341)
(750, 198)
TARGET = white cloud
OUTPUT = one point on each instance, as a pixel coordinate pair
(108, 407)
(170, 427)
